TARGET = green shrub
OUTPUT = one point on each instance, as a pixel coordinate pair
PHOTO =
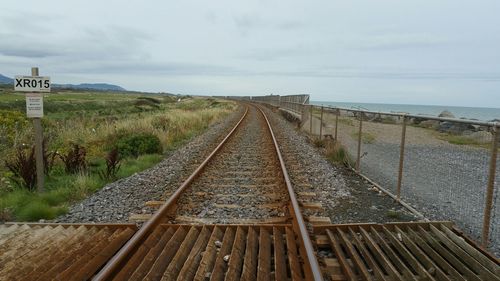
(338, 154)
(317, 142)
(366, 137)
(393, 214)
(75, 159)
(146, 102)
(11, 123)
(85, 184)
(56, 197)
(131, 165)
(23, 167)
(16, 199)
(112, 165)
(36, 210)
(161, 122)
(170, 99)
(193, 104)
(388, 120)
(150, 99)
(138, 144)
(346, 120)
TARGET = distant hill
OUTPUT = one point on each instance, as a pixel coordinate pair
(6, 80)
(89, 86)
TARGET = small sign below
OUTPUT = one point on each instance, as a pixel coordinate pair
(34, 105)
(32, 84)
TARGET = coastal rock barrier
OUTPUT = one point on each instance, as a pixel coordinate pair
(475, 133)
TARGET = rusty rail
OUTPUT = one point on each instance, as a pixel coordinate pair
(299, 224)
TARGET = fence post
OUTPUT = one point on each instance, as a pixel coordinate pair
(401, 157)
(321, 124)
(311, 119)
(336, 123)
(359, 141)
(491, 187)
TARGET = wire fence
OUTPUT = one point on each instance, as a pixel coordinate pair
(443, 167)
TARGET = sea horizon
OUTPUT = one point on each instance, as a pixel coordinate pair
(479, 113)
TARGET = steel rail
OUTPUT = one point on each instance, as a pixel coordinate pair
(312, 265)
(135, 241)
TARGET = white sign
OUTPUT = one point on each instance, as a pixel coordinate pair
(32, 84)
(34, 105)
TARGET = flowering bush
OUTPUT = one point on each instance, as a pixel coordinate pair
(11, 123)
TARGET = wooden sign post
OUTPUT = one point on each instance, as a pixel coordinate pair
(37, 124)
(34, 109)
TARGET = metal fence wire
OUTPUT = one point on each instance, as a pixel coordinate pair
(440, 166)
(446, 173)
(380, 149)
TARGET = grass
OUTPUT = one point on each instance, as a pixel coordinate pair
(338, 154)
(23, 205)
(143, 162)
(317, 142)
(347, 121)
(366, 137)
(463, 139)
(388, 120)
(64, 189)
(36, 210)
(393, 214)
(94, 120)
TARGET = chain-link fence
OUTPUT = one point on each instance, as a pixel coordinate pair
(443, 167)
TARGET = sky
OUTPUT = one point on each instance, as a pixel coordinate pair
(386, 51)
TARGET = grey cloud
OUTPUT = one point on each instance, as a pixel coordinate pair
(399, 75)
(254, 21)
(392, 41)
(290, 25)
(193, 69)
(211, 17)
(157, 68)
(248, 21)
(23, 22)
(14, 45)
(25, 52)
(268, 54)
(110, 42)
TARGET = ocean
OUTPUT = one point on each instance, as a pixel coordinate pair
(479, 113)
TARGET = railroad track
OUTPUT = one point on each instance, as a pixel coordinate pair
(236, 217)
(244, 182)
(250, 147)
